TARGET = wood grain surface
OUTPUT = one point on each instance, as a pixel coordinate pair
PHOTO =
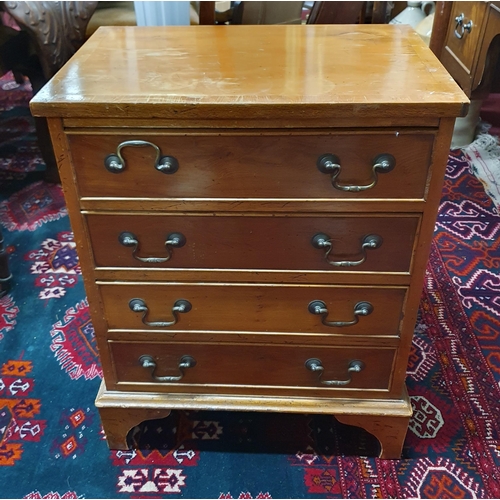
(253, 166)
(251, 365)
(277, 242)
(264, 308)
(234, 71)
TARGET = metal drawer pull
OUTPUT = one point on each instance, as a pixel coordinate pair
(322, 240)
(460, 27)
(173, 240)
(319, 307)
(116, 164)
(180, 306)
(315, 365)
(185, 362)
(330, 164)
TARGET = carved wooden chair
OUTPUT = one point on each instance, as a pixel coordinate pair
(51, 32)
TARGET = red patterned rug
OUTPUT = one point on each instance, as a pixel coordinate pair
(19, 152)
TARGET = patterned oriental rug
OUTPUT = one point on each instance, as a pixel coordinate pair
(51, 440)
(19, 153)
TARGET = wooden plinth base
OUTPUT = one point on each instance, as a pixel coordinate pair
(386, 419)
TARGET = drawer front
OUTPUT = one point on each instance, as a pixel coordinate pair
(464, 33)
(231, 242)
(462, 43)
(259, 166)
(251, 365)
(255, 308)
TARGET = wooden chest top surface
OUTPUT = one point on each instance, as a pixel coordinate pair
(231, 71)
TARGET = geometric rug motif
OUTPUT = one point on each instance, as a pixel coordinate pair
(441, 479)
(465, 256)
(464, 371)
(324, 480)
(481, 289)
(72, 441)
(8, 313)
(468, 219)
(33, 206)
(74, 344)
(14, 95)
(18, 425)
(427, 418)
(246, 494)
(487, 328)
(433, 424)
(156, 471)
(36, 495)
(422, 355)
(56, 265)
(151, 481)
(460, 185)
(19, 151)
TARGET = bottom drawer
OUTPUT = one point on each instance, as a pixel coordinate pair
(176, 366)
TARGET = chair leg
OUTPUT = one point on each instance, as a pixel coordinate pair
(5, 276)
(45, 145)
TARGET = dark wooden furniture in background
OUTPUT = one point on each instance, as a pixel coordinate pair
(335, 13)
(51, 32)
(342, 12)
(207, 12)
(466, 39)
(5, 275)
(256, 238)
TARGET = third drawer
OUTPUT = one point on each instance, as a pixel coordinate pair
(323, 309)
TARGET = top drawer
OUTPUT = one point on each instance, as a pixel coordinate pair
(225, 166)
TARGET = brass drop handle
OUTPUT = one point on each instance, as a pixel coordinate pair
(128, 239)
(315, 365)
(330, 164)
(319, 308)
(460, 27)
(185, 362)
(115, 163)
(180, 306)
(323, 241)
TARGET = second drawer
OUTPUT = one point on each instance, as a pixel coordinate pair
(340, 310)
(335, 243)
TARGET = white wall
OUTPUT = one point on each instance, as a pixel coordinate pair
(162, 13)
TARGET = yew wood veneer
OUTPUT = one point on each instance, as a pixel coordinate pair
(253, 208)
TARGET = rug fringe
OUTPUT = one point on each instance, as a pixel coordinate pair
(484, 158)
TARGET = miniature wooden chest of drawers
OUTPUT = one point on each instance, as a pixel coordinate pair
(253, 208)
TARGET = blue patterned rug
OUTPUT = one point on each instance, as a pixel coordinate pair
(51, 440)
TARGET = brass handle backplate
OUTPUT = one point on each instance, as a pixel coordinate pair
(115, 163)
(315, 365)
(180, 306)
(128, 239)
(461, 28)
(330, 164)
(318, 307)
(147, 361)
(323, 241)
